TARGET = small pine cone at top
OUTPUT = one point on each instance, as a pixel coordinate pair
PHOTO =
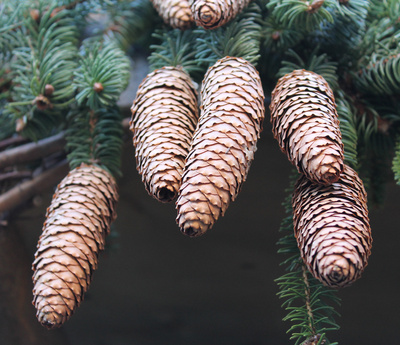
(305, 123)
(332, 228)
(176, 13)
(74, 233)
(164, 117)
(223, 145)
(211, 14)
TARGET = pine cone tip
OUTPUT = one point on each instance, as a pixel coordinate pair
(165, 194)
(49, 318)
(337, 271)
(193, 228)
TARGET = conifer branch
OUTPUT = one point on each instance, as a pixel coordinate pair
(308, 302)
(302, 14)
(31, 151)
(47, 60)
(95, 137)
(240, 38)
(102, 76)
(127, 22)
(175, 49)
(319, 64)
(24, 191)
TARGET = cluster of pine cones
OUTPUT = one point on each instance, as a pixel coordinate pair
(330, 214)
(201, 156)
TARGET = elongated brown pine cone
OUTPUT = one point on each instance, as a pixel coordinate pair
(223, 145)
(305, 123)
(74, 232)
(332, 228)
(164, 117)
(211, 14)
(176, 13)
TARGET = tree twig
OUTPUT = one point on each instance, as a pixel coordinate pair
(32, 151)
(18, 140)
(25, 190)
(15, 175)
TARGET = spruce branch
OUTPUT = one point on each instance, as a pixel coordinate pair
(47, 58)
(24, 191)
(381, 76)
(302, 14)
(124, 22)
(348, 127)
(32, 151)
(396, 163)
(95, 137)
(240, 38)
(320, 64)
(341, 37)
(102, 76)
(175, 49)
(278, 37)
(308, 302)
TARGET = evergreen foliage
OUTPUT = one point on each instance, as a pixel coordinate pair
(240, 38)
(64, 64)
(175, 48)
(102, 75)
(309, 304)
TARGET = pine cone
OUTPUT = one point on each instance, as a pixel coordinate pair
(176, 13)
(211, 14)
(223, 145)
(74, 232)
(164, 117)
(332, 228)
(305, 123)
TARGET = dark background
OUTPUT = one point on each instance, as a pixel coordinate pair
(155, 286)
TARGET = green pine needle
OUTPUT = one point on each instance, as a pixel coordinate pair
(307, 15)
(239, 38)
(102, 76)
(307, 301)
(175, 49)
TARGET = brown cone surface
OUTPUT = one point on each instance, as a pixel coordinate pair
(74, 232)
(211, 14)
(164, 117)
(176, 13)
(305, 123)
(223, 145)
(332, 228)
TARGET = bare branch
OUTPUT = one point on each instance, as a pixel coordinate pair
(32, 151)
(25, 190)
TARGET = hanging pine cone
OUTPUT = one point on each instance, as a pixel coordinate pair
(74, 232)
(211, 14)
(223, 145)
(332, 228)
(176, 13)
(164, 117)
(305, 123)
